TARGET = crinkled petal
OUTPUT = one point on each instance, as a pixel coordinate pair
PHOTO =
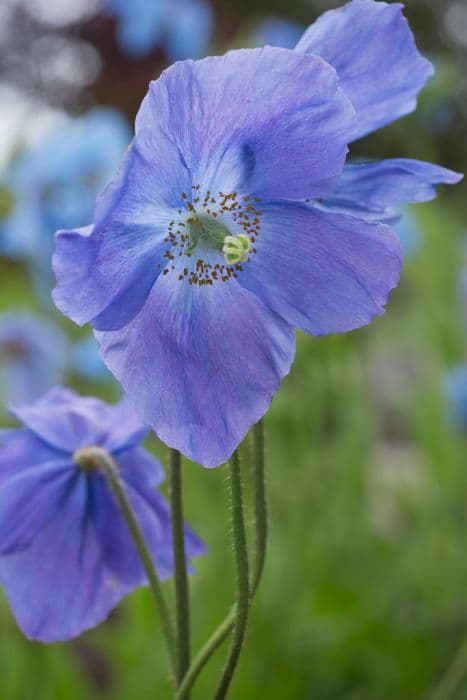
(371, 46)
(105, 272)
(29, 501)
(322, 272)
(378, 189)
(200, 364)
(266, 120)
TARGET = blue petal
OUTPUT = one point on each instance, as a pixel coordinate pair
(200, 364)
(255, 123)
(374, 190)
(60, 586)
(21, 450)
(371, 46)
(322, 272)
(30, 500)
(119, 257)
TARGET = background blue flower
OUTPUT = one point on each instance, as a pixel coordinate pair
(455, 392)
(66, 556)
(182, 28)
(33, 356)
(55, 185)
(277, 31)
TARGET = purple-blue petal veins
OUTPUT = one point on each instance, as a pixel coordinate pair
(371, 46)
(66, 556)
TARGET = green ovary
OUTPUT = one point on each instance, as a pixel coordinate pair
(214, 234)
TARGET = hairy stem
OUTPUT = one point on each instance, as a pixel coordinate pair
(181, 578)
(242, 602)
(110, 471)
(260, 539)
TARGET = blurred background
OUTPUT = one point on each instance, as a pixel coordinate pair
(365, 590)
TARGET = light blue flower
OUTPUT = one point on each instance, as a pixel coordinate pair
(455, 392)
(182, 28)
(86, 361)
(33, 356)
(55, 184)
(277, 31)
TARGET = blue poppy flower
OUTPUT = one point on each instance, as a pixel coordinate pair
(55, 184)
(381, 71)
(276, 31)
(66, 557)
(182, 27)
(33, 354)
(203, 256)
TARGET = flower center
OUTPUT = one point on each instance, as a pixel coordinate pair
(208, 231)
(226, 223)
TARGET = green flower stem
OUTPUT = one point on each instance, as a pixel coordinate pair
(110, 470)
(260, 526)
(181, 578)
(259, 507)
(242, 602)
(452, 679)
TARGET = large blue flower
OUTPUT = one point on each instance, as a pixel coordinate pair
(33, 353)
(55, 184)
(202, 260)
(66, 557)
(204, 255)
(182, 27)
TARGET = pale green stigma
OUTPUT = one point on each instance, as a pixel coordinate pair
(236, 249)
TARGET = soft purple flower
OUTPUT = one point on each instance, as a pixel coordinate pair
(33, 354)
(66, 556)
(203, 256)
(381, 71)
(182, 27)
